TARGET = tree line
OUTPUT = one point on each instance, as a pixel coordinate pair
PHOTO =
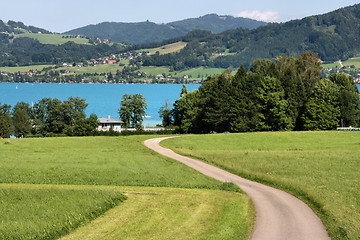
(282, 95)
(47, 117)
(53, 117)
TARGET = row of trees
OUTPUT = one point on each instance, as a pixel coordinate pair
(46, 117)
(288, 94)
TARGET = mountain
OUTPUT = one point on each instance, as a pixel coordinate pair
(333, 36)
(144, 32)
(216, 24)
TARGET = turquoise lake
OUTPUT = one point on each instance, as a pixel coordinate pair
(103, 99)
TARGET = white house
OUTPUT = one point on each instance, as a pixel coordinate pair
(105, 124)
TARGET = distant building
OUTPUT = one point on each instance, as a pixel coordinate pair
(105, 124)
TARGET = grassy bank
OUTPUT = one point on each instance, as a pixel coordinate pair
(63, 183)
(319, 167)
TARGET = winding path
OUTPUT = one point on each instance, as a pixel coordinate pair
(279, 215)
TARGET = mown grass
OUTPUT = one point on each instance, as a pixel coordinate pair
(321, 168)
(85, 167)
(163, 213)
(48, 212)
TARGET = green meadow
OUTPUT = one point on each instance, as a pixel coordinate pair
(62, 184)
(321, 168)
(56, 39)
(351, 61)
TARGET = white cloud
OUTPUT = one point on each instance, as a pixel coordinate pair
(266, 16)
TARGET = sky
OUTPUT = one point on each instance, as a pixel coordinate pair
(65, 15)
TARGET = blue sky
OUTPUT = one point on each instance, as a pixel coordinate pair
(60, 16)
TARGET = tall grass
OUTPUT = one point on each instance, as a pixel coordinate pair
(322, 168)
(115, 161)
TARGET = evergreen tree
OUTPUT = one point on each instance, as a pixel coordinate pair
(322, 110)
(6, 126)
(349, 100)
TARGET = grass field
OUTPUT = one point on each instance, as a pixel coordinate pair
(56, 39)
(352, 61)
(48, 212)
(164, 213)
(95, 170)
(321, 168)
(170, 48)
(23, 69)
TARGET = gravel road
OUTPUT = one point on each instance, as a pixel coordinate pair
(279, 215)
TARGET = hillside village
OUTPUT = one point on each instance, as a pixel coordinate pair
(128, 71)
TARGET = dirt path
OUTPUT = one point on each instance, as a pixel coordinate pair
(279, 215)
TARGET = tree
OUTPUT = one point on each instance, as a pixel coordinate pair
(85, 127)
(132, 110)
(21, 119)
(349, 100)
(185, 112)
(166, 114)
(48, 116)
(73, 109)
(6, 127)
(125, 110)
(322, 111)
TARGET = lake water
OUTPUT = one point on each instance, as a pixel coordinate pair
(103, 99)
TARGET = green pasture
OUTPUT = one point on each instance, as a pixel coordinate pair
(23, 69)
(68, 182)
(114, 161)
(351, 61)
(56, 39)
(169, 48)
(201, 72)
(321, 168)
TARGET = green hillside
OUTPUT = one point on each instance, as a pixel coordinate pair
(332, 35)
(56, 39)
(144, 32)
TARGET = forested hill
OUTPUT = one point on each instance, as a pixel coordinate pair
(144, 32)
(333, 36)
(16, 49)
(19, 27)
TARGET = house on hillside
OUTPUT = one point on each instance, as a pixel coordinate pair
(105, 124)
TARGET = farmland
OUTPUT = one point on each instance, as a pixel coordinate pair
(318, 167)
(68, 182)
